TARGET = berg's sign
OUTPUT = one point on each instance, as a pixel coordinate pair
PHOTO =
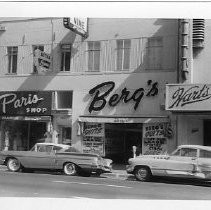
(188, 97)
(25, 103)
(102, 95)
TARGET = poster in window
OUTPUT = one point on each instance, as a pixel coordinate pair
(154, 138)
(94, 138)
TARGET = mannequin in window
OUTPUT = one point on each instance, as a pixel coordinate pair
(48, 137)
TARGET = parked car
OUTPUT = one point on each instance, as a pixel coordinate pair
(52, 156)
(187, 161)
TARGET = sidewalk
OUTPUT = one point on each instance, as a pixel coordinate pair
(118, 171)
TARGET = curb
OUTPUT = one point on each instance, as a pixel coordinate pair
(116, 175)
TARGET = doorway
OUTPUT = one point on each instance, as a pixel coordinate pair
(207, 132)
(119, 140)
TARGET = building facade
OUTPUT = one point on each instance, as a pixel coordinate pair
(102, 93)
(189, 100)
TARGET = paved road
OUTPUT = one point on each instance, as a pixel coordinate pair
(60, 186)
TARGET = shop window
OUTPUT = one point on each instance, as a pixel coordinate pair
(12, 53)
(123, 54)
(93, 56)
(154, 53)
(63, 100)
(65, 57)
(35, 47)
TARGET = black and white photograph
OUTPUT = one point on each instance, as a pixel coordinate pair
(108, 107)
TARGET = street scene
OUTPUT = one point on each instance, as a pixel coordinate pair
(105, 108)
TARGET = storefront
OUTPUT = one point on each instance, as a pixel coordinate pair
(25, 118)
(115, 137)
(190, 103)
(120, 122)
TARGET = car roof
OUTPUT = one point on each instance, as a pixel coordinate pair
(196, 147)
(54, 144)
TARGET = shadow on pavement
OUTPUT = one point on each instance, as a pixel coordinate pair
(178, 181)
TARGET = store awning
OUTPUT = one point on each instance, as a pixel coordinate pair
(112, 119)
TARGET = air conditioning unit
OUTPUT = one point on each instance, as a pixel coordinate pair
(198, 33)
(2, 28)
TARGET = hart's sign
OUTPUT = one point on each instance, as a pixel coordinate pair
(188, 97)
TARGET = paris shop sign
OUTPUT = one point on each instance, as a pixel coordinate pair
(25, 103)
(195, 97)
(101, 95)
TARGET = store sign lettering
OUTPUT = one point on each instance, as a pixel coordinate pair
(93, 131)
(194, 94)
(103, 90)
(25, 103)
(11, 98)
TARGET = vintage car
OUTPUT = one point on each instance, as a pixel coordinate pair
(187, 161)
(52, 156)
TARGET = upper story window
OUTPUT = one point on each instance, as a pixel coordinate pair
(94, 56)
(35, 47)
(12, 59)
(123, 54)
(65, 57)
(154, 53)
(62, 100)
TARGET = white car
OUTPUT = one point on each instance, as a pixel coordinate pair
(187, 161)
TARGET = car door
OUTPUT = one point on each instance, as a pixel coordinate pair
(44, 158)
(204, 162)
(182, 163)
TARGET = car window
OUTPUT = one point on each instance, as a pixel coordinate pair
(71, 149)
(205, 154)
(57, 148)
(44, 148)
(188, 152)
(176, 153)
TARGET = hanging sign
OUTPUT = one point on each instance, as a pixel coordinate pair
(42, 61)
(93, 138)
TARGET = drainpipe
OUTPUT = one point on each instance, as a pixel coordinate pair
(185, 23)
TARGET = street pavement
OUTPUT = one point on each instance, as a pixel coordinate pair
(113, 186)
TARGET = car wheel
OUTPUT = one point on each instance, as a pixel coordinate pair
(142, 173)
(70, 169)
(13, 164)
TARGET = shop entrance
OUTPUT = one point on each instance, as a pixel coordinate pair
(119, 140)
(207, 133)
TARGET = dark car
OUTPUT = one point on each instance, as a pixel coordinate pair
(53, 156)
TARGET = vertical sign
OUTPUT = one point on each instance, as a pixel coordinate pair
(93, 138)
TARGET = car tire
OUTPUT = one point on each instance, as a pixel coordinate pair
(143, 173)
(70, 169)
(13, 165)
